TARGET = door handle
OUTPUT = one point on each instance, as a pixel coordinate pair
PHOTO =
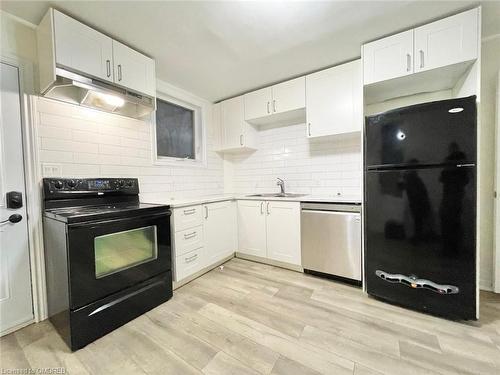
(268, 111)
(119, 72)
(267, 208)
(190, 211)
(189, 235)
(14, 218)
(274, 105)
(241, 140)
(262, 208)
(108, 68)
(408, 62)
(421, 58)
(206, 212)
(309, 129)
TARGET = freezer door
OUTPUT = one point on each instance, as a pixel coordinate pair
(421, 239)
(431, 133)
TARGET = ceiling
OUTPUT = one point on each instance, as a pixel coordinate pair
(220, 49)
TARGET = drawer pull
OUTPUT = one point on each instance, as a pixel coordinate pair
(190, 259)
(189, 235)
(190, 212)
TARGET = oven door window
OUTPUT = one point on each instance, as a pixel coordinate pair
(119, 251)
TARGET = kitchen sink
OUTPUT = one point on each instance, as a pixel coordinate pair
(278, 195)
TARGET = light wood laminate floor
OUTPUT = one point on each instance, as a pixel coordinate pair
(250, 318)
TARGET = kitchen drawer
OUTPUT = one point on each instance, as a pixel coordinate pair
(188, 264)
(187, 217)
(188, 240)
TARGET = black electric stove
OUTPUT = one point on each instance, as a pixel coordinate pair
(107, 256)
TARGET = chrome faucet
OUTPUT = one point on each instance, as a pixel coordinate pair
(281, 184)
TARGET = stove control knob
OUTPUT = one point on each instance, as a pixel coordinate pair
(129, 183)
(72, 183)
(58, 184)
(121, 183)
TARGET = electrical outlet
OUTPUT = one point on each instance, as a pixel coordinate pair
(51, 170)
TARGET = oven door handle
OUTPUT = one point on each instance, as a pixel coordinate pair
(86, 224)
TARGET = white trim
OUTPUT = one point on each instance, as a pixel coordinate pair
(203, 111)
(496, 218)
(17, 327)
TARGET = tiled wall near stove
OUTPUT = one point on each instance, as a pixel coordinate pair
(321, 166)
(90, 143)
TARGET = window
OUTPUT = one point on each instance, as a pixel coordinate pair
(178, 132)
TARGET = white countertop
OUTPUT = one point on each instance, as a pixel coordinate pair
(182, 202)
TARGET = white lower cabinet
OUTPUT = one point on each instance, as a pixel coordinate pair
(252, 228)
(283, 231)
(202, 235)
(270, 229)
(219, 224)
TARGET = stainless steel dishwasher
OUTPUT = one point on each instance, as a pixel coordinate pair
(331, 240)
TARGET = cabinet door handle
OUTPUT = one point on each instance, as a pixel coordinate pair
(267, 208)
(189, 235)
(191, 258)
(309, 129)
(408, 62)
(119, 72)
(241, 140)
(262, 208)
(268, 111)
(274, 105)
(421, 59)
(190, 212)
(206, 212)
(108, 68)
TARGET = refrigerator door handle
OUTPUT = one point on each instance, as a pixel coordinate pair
(416, 283)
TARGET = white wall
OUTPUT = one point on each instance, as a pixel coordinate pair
(490, 65)
(321, 166)
(90, 143)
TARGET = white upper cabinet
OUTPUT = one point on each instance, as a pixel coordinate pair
(334, 100)
(133, 69)
(236, 133)
(258, 103)
(69, 44)
(388, 58)
(289, 95)
(81, 48)
(448, 41)
(270, 103)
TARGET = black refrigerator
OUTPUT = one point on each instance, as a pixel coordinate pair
(420, 207)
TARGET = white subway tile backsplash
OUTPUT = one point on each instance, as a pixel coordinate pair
(321, 166)
(88, 143)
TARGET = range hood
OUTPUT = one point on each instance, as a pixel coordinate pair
(88, 92)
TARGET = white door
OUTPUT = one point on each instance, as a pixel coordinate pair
(388, 58)
(15, 282)
(232, 123)
(219, 226)
(133, 70)
(334, 100)
(283, 231)
(448, 41)
(258, 103)
(252, 228)
(82, 48)
(289, 95)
